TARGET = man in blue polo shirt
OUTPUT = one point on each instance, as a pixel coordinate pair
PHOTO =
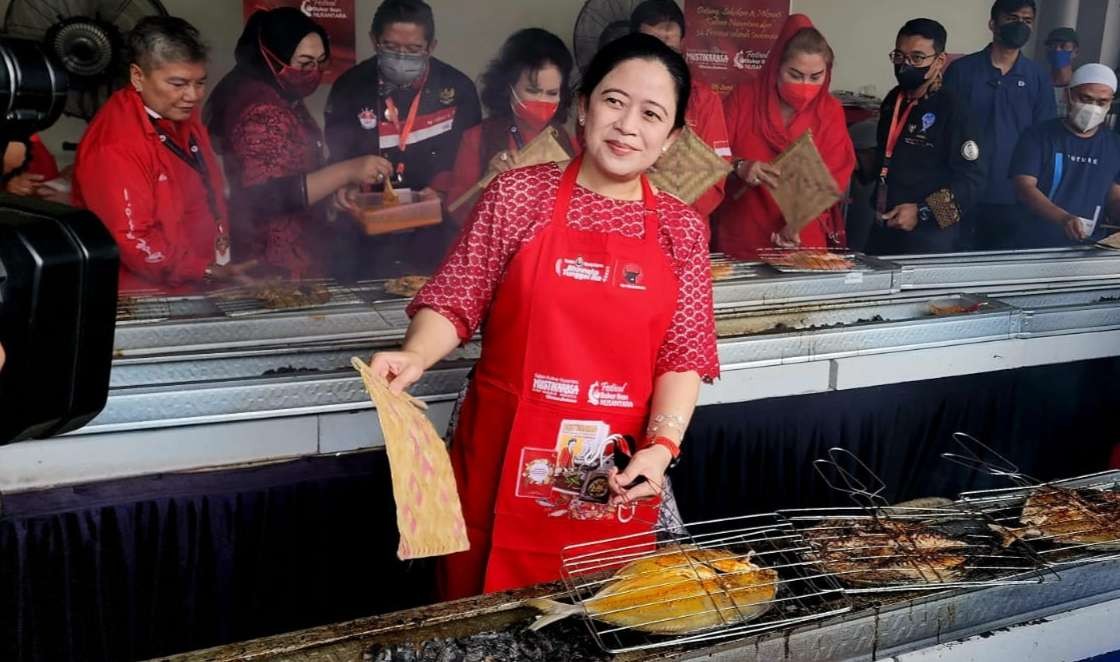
(1007, 93)
(1066, 171)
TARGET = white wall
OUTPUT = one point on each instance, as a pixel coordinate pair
(470, 31)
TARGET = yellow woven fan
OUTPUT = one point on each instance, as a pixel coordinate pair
(689, 168)
(806, 188)
(545, 148)
(429, 515)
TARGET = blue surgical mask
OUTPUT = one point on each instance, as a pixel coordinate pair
(1059, 59)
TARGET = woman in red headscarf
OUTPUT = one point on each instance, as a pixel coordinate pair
(764, 117)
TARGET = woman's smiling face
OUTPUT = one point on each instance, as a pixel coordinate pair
(629, 118)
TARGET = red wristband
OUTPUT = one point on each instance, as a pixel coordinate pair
(660, 440)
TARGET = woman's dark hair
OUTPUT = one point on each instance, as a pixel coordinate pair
(157, 40)
(279, 30)
(656, 12)
(640, 47)
(926, 28)
(404, 11)
(526, 50)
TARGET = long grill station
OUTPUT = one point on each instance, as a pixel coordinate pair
(867, 581)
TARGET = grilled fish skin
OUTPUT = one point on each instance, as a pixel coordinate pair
(865, 551)
(1080, 516)
(676, 593)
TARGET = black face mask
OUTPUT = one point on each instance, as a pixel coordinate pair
(1014, 34)
(909, 77)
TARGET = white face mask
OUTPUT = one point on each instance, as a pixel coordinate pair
(1086, 116)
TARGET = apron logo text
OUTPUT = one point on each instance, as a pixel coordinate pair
(579, 269)
(556, 389)
(606, 394)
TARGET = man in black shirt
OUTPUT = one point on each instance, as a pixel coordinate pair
(928, 158)
(412, 109)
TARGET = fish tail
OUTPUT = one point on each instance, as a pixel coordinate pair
(1008, 535)
(551, 611)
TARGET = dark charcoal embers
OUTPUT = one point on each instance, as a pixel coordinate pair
(567, 640)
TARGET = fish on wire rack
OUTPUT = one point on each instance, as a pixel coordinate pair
(676, 593)
(1059, 514)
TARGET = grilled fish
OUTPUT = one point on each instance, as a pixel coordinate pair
(1080, 516)
(883, 551)
(675, 594)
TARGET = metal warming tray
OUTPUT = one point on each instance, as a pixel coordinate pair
(1054, 312)
(759, 338)
(756, 284)
(958, 270)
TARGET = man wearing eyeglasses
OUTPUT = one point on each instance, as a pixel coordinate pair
(411, 108)
(1007, 93)
(928, 159)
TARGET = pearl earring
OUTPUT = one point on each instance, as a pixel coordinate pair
(581, 121)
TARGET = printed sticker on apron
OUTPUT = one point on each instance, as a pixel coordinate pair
(538, 467)
(630, 276)
(584, 459)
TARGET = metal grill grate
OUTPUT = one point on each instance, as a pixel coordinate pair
(284, 296)
(722, 579)
(137, 308)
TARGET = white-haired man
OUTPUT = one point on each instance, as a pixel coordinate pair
(1066, 171)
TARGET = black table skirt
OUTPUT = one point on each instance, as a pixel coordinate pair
(135, 568)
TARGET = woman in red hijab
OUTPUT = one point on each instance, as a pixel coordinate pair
(764, 117)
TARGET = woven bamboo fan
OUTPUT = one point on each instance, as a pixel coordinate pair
(689, 168)
(429, 515)
(545, 148)
(806, 188)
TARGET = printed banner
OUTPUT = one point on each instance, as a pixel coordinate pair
(728, 41)
(336, 17)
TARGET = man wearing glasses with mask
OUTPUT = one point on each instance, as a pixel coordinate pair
(412, 109)
(928, 159)
(1067, 171)
(1007, 93)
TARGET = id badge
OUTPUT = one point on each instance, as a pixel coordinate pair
(221, 250)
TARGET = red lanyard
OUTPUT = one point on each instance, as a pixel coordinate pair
(897, 125)
(393, 115)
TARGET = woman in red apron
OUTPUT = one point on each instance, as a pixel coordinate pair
(595, 293)
(789, 97)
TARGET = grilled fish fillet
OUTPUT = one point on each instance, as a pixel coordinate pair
(865, 551)
(675, 594)
(1080, 516)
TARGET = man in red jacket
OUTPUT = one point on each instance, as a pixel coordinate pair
(663, 19)
(145, 166)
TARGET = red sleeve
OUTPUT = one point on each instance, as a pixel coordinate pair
(468, 170)
(712, 129)
(268, 141)
(119, 189)
(42, 162)
(690, 342)
(463, 286)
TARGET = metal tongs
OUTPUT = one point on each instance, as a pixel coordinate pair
(974, 457)
(865, 489)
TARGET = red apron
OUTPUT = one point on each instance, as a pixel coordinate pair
(568, 357)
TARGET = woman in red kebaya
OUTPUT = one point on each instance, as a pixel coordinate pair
(273, 148)
(790, 96)
(596, 298)
(526, 89)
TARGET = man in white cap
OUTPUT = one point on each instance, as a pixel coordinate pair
(1066, 171)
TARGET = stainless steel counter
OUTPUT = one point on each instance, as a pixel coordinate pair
(192, 368)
